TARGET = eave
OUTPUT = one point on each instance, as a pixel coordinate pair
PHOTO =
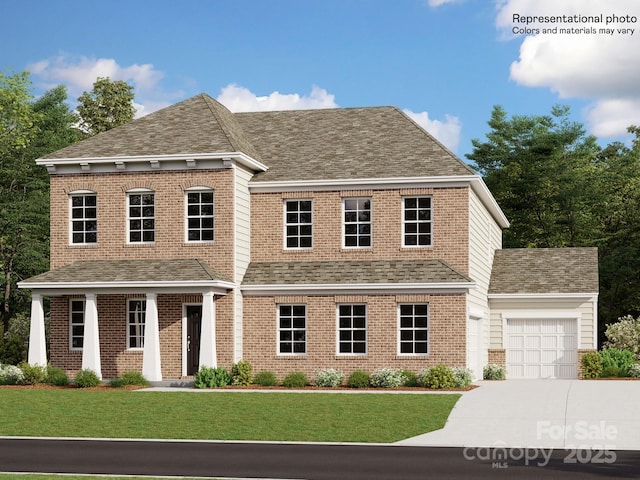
(359, 289)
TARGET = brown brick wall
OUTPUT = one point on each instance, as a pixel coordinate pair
(450, 227)
(498, 356)
(169, 189)
(447, 333)
(114, 355)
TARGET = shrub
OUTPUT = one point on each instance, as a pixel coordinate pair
(241, 373)
(439, 376)
(591, 365)
(33, 373)
(463, 377)
(56, 376)
(13, 350)
(410, 378)
(295, 380)
(358, 379)
(387, 378)
(87, 378)
(421, 376)
(116, 383)
(212, 377)
(634, 370)
(132, 377)
(265, 379)
(329, 377)
(10, 375)
(624, 335)
(494, 371)
(616, 360)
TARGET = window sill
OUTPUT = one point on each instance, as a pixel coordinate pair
(412, 356)
(291, 356)
(140, 245)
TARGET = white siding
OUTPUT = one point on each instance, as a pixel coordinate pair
(485, 236)
(242, 251)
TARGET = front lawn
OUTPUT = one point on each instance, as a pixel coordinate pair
(304, 417)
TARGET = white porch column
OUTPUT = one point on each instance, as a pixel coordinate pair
(208, 333)
(151, 368)
(37, 343)
(91, 341)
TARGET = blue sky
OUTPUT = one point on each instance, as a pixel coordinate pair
(445, 62)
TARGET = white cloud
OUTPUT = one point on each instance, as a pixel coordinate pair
(437, 3)
(79, 74)
(241, 99)
(599, 67)
(447, 132)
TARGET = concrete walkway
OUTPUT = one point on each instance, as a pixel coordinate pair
(602, 414)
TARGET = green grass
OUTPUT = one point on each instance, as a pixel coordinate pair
(305, 417)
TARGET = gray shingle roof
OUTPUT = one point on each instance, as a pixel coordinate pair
(545, 270)
(340, 143)
(113, 271)
(351, 272)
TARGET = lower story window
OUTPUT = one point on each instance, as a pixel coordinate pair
(76, 324)
(352, 329)
(136, 311)
(292, 329)
(414, 329)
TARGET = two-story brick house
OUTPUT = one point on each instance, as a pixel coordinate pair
(297, 240)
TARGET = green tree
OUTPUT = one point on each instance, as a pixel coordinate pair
(539, 169)
(108, 105)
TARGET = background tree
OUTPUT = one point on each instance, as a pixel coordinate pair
(108, 105)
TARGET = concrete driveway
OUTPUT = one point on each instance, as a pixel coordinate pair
(600, 414)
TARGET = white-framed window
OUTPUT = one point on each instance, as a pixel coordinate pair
(76, 324)
(199, 215)
(352, 329)
(84, 217)
(136, 314)
(141, 216)
(298, 217)
(413, 329)
(417, 222)
(292, 329)
(357, 222)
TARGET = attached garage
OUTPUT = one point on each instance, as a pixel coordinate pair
(543, 306)
(542, 348)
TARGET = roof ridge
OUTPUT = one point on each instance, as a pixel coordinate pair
(217, 118)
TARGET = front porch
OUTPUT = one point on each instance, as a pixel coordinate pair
(133, 314)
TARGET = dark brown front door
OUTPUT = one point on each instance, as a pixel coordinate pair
(194, 325)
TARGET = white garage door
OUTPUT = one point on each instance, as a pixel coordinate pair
(542, 348)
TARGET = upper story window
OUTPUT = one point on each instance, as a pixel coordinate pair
(84, 217)
(76, 324)
(141, 216)
(292, 329)
(352, 329)
(417, 222)
(199, 215)
(136, 314)
(413, 335)
(357, 222)
(298, 224)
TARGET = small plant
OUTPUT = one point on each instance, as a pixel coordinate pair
(241, 373)
(87, 378)
(132, 377)
(10, 375)
(634, 370)
(387, 378)
(591, 365)
(410, 378)
(33, 374)
(358, 379)
(438, 377)
(329, 377)
(56, 376)
(212, 377)
(265, 379)
(624, 335)
(116, 383)
(494, 371)
(616, 362)
(463, 377)
(295, 380)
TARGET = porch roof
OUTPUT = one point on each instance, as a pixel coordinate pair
(191, 275)
(363, 275)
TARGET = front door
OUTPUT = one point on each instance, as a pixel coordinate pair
(194, 326)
